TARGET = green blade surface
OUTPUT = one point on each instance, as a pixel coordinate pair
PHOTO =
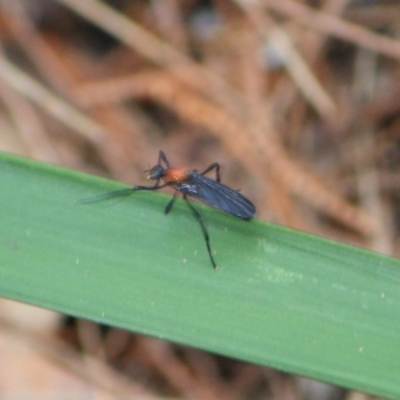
(280, 298)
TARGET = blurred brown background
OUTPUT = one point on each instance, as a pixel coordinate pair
(298, 100)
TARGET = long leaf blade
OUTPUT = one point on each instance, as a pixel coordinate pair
(280, 298)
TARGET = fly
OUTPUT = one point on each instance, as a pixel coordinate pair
(193, 184)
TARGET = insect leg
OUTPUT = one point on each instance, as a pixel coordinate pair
(156, 186)
(170, 204)
(210, 168)
(204, 230)
(121, 193)
(163, 157)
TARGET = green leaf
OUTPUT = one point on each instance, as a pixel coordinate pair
(279, 298)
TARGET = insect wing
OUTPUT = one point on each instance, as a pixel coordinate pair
(218, 196)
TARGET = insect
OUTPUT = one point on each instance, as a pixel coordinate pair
(194, 184)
